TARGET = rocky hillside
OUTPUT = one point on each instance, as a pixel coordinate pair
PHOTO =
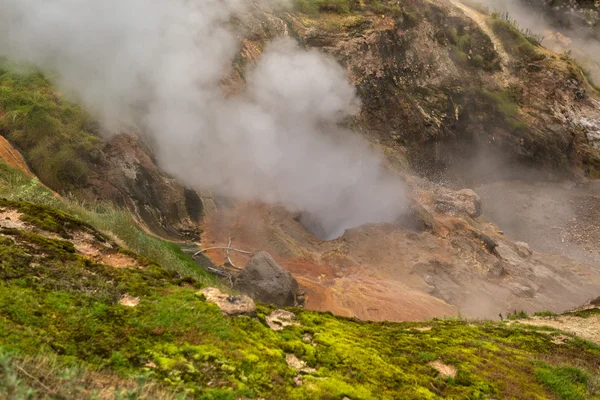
(94, 303)
(445, 86)
(447, 91)
(81, 317)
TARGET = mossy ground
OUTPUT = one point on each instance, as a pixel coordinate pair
(60, 306)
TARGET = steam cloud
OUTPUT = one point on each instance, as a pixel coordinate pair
(157, 65)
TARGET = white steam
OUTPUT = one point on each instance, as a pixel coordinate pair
(157, 65)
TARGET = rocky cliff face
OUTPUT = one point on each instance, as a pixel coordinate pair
(443, 85)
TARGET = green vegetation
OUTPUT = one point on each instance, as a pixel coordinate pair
(314, 7)
(518, 43)
(533, 38)
(19, 380)
(15, 185)
(63, 332)
(517, 315)
(56, 137)
(467, 51)
(567, 383)
(545, 314)
(497, 107)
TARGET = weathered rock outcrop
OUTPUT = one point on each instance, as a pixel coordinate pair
(266, 281)
(127, 175)
(229, 305)
(462, 202)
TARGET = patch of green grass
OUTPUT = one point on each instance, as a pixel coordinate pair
(314, 7)
(15, 185)
(518, 315)
(495, 106)
(567, 383)
(545, 314)
(46, 378)
(515, 41)
(469, 47)
(55, 136)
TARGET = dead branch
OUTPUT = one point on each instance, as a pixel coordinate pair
(36, 380)
(221, 248)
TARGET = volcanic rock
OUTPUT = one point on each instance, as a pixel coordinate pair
(266, 281)
(462, 202)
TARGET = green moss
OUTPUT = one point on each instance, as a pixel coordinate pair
(497, 107)
(184, 343)
(566, 382)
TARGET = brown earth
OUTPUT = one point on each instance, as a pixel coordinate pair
(388, 272)
(12, 157)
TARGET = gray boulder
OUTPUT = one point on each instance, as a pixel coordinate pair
(266, 281)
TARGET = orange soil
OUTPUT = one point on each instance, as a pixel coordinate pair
(365, 274)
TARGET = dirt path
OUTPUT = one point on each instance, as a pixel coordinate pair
(586, 328)
(480, 19)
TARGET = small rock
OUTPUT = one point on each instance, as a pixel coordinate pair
(129, 301)
(523, 249)
(229, 305)
(489, 243)
(298, 364)
(496, 270)
(307, 337)
(298, 380)
(445, 370)
(279, 319)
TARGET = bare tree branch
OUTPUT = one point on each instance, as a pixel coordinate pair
(46, 388)
(222, 248)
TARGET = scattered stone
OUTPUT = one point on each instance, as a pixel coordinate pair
(463, 202)
(445, 370)
(279, 319)
(307, 337)
(560, 339)
(496, 270)
(129, 301)
(11, 219)
(229, 305)
(299, 365)
(266, 281)
(298, 380)
(523, 249)
(489, 243)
